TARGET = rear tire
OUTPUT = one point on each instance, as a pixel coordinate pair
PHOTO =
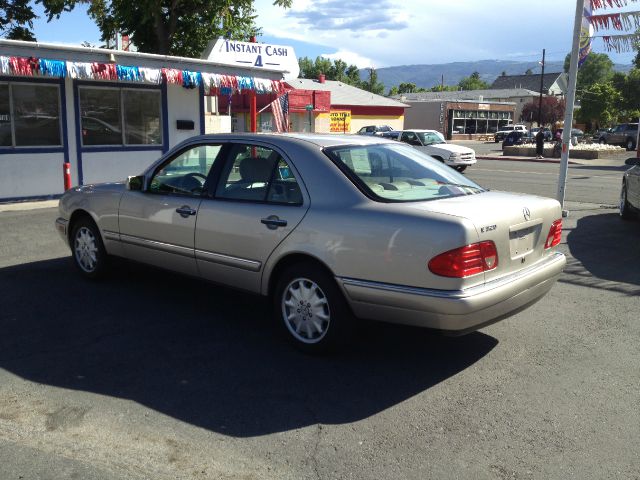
(310, 309)
(87, 250)
(626, 212)
(630, 145)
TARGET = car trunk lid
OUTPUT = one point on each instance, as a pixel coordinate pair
(518, 224)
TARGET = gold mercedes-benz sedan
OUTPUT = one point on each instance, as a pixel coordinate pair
(333, 228)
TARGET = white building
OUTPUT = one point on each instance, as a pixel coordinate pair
(108, 114)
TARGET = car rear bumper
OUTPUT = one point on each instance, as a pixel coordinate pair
(457, 311)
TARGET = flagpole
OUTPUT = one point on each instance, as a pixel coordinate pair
(570, 100)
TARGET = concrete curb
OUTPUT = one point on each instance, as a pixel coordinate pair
(17, 206)
(527, 159)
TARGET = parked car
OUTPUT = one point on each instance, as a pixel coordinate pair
(505, 130)
(599, 135)
(624, 135)
(515, 138)
(329, 227)
(433, 143)
(630, 192)
(548, 136)
(381, 130)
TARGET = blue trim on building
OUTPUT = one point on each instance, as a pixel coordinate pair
(165, 118)
(76, 114)
(127, 148)
(21, 150)
(30, 199)
(65, 132)
(201, 100)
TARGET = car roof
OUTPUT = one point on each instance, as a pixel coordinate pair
(321, 140)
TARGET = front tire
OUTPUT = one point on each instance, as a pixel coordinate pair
(311, 310)
(87, 249)
(626, 213)
(461, 168)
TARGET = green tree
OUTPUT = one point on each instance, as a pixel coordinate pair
(473, 82)
(597, 68)
(392, 91)
(528, 72)
(444, 88)
(371, 84)
(168, 27)
(407, 88)
(16, 20)
(599, 104)
(336, 70)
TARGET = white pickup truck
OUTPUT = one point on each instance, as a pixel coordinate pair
(433, 144)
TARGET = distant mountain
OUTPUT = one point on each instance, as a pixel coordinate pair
(427, 76)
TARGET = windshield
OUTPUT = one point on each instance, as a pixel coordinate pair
(400, 173)
(506, 129)
(429, 138)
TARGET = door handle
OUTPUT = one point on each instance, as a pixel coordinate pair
(185, 211)
(272, 222)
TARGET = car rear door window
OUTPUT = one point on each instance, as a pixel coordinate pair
(259, 174)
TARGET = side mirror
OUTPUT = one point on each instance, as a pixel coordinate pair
(135, 183)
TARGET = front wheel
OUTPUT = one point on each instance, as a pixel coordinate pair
(625, 209)
(461, 168)
(87, 249)
(311, 310)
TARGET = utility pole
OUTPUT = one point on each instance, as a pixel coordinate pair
(571, 97)
(541, 88)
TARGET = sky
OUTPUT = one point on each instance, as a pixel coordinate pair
(386, 33)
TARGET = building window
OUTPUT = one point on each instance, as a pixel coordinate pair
(105, 111)
(29, 115)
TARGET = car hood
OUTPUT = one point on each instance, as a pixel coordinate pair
(102, 187)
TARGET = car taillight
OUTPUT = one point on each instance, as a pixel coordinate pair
(465, 261)
(555, 234)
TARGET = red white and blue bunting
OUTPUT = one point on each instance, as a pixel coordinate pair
(212, 82)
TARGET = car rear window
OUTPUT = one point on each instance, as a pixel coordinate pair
(399, 173)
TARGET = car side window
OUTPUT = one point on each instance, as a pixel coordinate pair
(259, 174)
(186, 173)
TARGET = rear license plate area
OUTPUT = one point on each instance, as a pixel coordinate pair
(521, 242)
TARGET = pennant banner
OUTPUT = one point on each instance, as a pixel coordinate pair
(620, 43)
(617, 21)
(603, 4)
(212, 82)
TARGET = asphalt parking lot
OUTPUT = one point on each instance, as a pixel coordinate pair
(153, 375)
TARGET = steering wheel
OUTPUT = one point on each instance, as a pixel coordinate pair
(193, 182)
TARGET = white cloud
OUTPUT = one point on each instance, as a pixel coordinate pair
(351, 58)
(389, 32)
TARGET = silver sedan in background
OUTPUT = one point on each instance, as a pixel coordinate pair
(333, 228)
(630, 191)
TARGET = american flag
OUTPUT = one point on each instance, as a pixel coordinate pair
(280, 109)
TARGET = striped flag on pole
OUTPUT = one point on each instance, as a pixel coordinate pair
(280, 109)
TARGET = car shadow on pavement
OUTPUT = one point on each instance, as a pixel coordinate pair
(207, 355)
(606, 253)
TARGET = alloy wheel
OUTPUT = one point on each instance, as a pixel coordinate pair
(305, 310)
(85, 249)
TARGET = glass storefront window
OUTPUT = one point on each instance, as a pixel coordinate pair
(5, 116)
(142, 117)
(36, 114)
(104, 111)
